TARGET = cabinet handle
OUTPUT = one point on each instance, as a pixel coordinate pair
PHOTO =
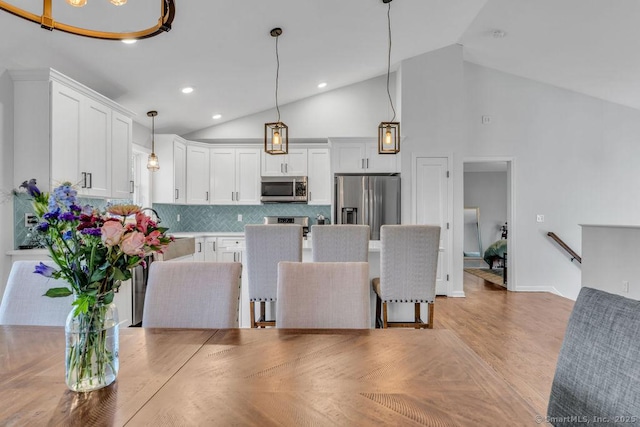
(214, 246)
(281, 167)
(90, 179)
(309, 195)
(286, 168)
(237, 197)
(362, 163)
(367, 163)
(233, 197)
(199, 247)
(131, 187)
(84, 180)
(207, 199)
(177, 194)
(234, 257)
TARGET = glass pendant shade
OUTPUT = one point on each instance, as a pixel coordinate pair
(389, 138)
(276, 138)
(153, 164)
(77, 3)
(118, 2)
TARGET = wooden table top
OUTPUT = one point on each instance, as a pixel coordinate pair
(260, 377)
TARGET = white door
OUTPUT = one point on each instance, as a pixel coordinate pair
(65, 136)
(348, 157)
(272, 164)
(319, 179)
(95, 149)
(121, 135)
(296, 162)
(431, 207)
(247, 176)
(179, 171)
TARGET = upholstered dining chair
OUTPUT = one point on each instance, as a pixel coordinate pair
(24, 302)
(332, 295)
(597, 377)
(408, 266)
(266, 246)
(192, 295)
(344, 242)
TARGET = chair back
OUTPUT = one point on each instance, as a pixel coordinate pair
(408, 263)
(24, 302)
(266, 245)
(334, 295)
(598, 370)
(192, 295)
(340, 243)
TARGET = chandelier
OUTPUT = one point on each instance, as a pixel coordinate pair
(46, 20)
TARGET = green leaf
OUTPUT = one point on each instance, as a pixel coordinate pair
(108, 298)
(119, 274)
(58, 292)
(98, 275)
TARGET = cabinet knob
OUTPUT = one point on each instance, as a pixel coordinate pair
(131, 187)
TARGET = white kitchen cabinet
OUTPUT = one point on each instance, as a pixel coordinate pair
(200, 253)
(293, 163)
(319, 178)
(197, 174)
(230, 249)
(210, 244)
(123, 299)
(362, 157)
(235, 176)
(169, 183)
(64, 131)
(121, 143)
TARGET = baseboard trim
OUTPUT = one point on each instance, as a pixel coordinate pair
(456, 294)
(550, 289)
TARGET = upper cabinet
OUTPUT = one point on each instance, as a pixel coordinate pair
(293, 163)
(169, 183)
(198, 174)
(362, 157)
(319, 179)
(235, 176)
(64, 131)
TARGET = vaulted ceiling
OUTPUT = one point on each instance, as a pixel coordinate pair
(223, 49)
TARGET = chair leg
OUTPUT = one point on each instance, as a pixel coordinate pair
(417, 319)
(431, 305)
(378, 310)
(252, 310)
(262, 312)
(384, 315)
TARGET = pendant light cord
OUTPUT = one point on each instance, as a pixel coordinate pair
(277, 75)
(153, 134)
(388, 61)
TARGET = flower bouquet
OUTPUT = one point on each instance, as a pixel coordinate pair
(94, 251)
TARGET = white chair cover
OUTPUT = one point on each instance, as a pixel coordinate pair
(192, 295)
(24, 302)
(340, 243)
(332, 295)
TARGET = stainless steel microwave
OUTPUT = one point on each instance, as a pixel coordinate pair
(284, 189)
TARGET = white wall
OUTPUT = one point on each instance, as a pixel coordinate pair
(576, 162)
(6, 175)
(351, 111)
(488, 192)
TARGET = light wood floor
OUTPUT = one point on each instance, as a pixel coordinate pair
(518, 334)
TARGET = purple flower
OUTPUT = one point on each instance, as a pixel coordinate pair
(31, 187)
(45, 270)
(43, 226)
(68, 235)
(68, 216)
(91, 231)
(52, 214)
(75, 208)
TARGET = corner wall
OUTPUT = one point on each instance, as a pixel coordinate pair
(6, 175)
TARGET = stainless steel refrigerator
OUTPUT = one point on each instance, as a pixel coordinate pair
(372, 199)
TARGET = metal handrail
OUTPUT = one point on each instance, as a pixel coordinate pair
(566, 247)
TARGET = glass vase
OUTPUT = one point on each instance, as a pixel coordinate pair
(92, 348)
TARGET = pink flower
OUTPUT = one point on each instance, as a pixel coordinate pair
(144, 222)
(112, 232)
(153, 239)
(133, 243)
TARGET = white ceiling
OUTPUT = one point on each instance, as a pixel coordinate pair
(223, 49)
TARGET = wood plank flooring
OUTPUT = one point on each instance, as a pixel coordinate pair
(518, 334)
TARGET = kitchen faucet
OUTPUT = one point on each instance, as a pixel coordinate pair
(157, 217)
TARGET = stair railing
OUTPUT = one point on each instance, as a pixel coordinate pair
(566, 247)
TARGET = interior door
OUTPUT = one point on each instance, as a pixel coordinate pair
(432, 206)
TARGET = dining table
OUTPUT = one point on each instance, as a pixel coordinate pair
(266, 377)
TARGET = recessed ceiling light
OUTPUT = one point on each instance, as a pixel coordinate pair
(217, 116)
(321, 85)
(187, 89)
(129, 41)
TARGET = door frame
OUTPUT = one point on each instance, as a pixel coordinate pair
(512, 277)
(414, 197)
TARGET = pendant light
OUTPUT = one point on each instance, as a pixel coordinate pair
(276, 134)
(389, 132)
(153, 164)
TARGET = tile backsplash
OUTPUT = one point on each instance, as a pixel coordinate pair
(224, 218)
(214, 218)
